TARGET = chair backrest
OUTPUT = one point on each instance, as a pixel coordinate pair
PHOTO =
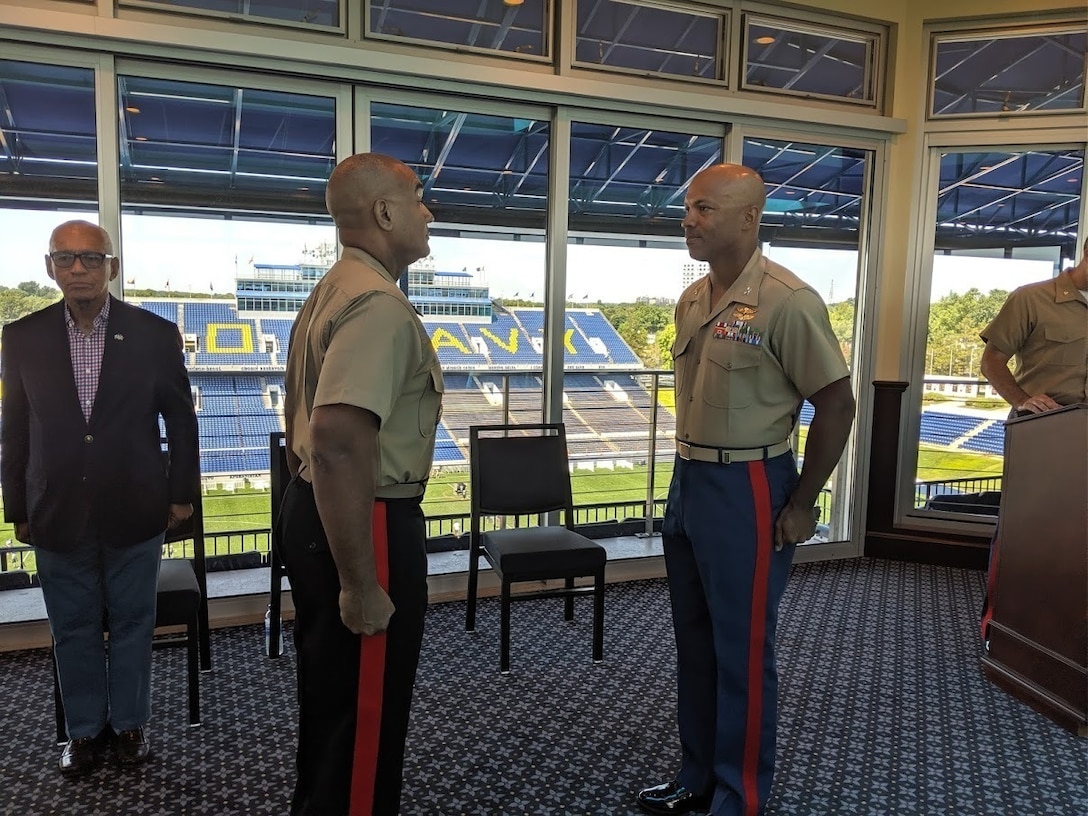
(193, 528)
(519, 469)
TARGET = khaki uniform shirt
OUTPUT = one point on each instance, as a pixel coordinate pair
(1044, 326)
(743, 367)
(358, 341)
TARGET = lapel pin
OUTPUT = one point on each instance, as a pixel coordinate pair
(118, 337)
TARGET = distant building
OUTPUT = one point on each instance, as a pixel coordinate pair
(279, 290)
(691, 272)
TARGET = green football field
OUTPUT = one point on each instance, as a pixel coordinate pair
(249, 510)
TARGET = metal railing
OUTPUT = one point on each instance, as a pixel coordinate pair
(625, 441)
(926, 492)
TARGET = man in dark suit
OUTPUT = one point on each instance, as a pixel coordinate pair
(86, 484)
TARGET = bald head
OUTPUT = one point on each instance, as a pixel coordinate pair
(377, 204)
(741, 185)
(722, 210)
(358, 182)
(85, 230)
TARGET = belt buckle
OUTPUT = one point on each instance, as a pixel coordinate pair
(725, 457)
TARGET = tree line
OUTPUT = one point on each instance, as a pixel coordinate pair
(953, 346)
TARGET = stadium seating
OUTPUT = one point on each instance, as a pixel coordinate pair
(943, 429)
(607, 414)
(991, 439)
(240, 384)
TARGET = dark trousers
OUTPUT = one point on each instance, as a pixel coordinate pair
(328, 657)
(725, 583)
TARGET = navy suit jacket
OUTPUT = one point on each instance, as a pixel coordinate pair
(70, 477)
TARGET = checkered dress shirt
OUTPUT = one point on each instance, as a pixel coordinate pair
(87, 351)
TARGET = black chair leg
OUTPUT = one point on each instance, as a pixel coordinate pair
(473, 569)
(568, 600)
(58, 706)
(504, 636)
(598, 617)
(276, 606)
(204, 635)
(193, 649)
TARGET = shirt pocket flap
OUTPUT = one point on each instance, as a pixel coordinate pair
(1065, 334)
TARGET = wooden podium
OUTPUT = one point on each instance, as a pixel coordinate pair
(1038, 647)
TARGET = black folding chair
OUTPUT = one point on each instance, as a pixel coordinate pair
(519, 470)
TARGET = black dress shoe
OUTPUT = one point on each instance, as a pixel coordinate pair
(671, 797)
(80, 756)
(132, 747)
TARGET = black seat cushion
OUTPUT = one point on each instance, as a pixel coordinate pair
(179, 592)
(542, 552)
(15, 579)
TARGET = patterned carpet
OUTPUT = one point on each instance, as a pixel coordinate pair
(884, 712)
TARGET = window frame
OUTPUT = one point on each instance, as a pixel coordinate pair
(950, 34)
(875, 70)
(916, 307)
(724, 17)
(548, 33)
(235, 18)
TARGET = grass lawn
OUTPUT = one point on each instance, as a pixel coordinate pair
(250, 510)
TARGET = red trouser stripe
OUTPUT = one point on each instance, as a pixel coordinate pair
(991, 579)
(761, 495)
(368, 717)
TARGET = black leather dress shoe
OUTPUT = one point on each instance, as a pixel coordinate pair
(132, 747)
(672, 797)
(80, 756)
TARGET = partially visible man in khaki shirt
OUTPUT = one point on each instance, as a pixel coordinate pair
(1044, 326)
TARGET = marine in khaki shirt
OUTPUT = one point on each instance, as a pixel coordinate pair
(744, 366)
(362, 406)
(752, 341)
(1043, 327)
(361, 343)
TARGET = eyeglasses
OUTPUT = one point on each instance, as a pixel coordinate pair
(90, 260)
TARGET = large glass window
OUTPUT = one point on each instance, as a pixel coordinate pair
(625, 257)
(814, 224)
(1003, 219)
(481, 293)
(651, 39)
(510, 26)
(808, 60)
(1007, 74)
(48, 175)
(222, 197)
(307, 12)
(49, 145)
